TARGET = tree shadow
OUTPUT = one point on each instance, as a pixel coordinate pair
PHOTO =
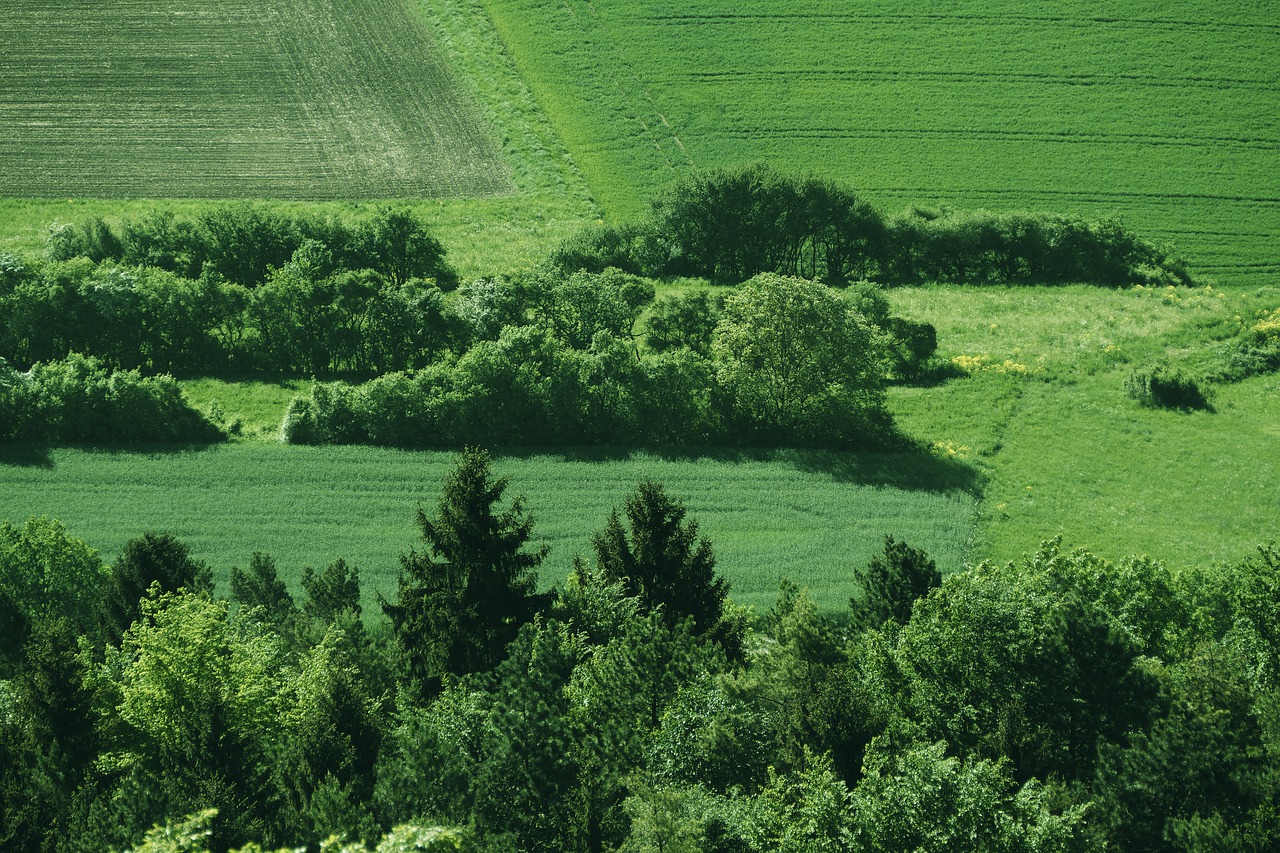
(908, 468)
(30, 455)
(25, 455)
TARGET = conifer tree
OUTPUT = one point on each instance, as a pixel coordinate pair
(662, 560)
(464, 599)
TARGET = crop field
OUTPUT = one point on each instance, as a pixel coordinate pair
(809, 517)
(1167, 115)
(184, 99)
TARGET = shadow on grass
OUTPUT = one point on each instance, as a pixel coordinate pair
(910, 469)
(22, 455)
(27, 455)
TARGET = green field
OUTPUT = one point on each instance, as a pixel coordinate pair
(174, 98)
(1167, 115)
(1063, 449)
(809, 517)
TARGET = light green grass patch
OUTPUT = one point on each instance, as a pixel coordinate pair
(809, 517)
(1064, 450)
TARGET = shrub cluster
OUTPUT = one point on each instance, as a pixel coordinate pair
(242, 243)
(1167, 388)
(786, 361)
(1256, 351)
(728, 226)
(309, 316)
(79, 400)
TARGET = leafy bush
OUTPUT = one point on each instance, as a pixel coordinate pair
(730, 225)
(243, 242)
(78, 400)
(1167, 388)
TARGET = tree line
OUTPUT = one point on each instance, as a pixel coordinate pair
(1060, 703)
(781, 361)
(730, 225)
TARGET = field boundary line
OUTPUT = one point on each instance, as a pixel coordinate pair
(855, 17)
(539, 159)
(871, 74)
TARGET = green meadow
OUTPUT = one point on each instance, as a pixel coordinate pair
(810, 517)
(1063, 450)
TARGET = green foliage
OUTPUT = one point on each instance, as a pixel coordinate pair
(1019, 662)
(332, 592)
(199, 699)
(156, 559)
(1167, 388)
(800, 365)
(48, 575)
(578, 306)
(79, 400)
(259, 587)
(684, 320)
(463, 600)
(662, 561)
(1203, 770)
(919, 798)
(891, 583)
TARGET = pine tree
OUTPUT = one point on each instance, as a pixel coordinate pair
(662, 561)
(462, 601)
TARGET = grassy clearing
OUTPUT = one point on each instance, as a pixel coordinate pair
(1065, 451)
(170, 98)
(1168, 116)
(810, 517)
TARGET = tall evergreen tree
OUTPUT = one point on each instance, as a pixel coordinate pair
(152, 558)
(892, 582)
(662, 560)
(464, 599)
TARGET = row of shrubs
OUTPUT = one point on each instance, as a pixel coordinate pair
(80, 400)
(783, 362)
(300, 321)
(242, 243)
(729, 225)
(310, 318)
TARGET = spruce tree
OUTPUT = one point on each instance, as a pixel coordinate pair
(464, 599)
(662, 560)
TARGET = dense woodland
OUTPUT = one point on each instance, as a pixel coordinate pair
(1061, 703)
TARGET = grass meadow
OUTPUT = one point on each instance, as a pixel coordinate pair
(809, 517)
(1167, 115)
(1060, 447)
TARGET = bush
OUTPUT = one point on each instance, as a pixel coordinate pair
(730, 225)
(1167, 388)
(78, 400)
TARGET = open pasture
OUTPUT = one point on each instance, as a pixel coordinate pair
(1064, 450)
(1167, 115)
(350, 99)
(809, 517)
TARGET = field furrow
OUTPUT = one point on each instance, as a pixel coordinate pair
(339, 99)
